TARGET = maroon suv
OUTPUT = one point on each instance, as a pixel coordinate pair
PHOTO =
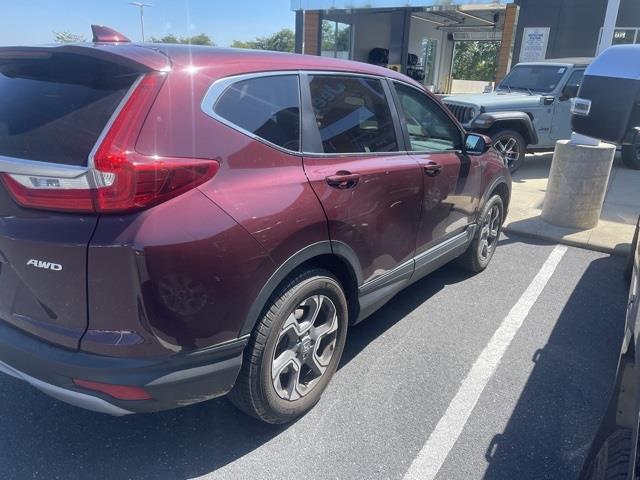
(178, 223)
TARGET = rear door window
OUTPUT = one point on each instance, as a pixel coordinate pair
(352, 115)
(54, 107)
(267, 107)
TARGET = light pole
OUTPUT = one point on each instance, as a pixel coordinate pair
(609, 27)
(141, 6)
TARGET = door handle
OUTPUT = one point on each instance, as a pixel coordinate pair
(433, 169)
(343, 180)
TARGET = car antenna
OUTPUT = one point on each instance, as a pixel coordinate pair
(102, 34)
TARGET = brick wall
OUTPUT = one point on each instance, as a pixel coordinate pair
(312, 21)
(505, 56)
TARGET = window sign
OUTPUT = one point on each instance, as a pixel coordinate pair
(623, 36)
(534, 44)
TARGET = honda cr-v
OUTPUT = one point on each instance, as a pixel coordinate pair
(178, 222)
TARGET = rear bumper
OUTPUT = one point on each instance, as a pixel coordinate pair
(172, 381)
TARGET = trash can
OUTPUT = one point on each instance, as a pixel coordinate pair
(607, 108)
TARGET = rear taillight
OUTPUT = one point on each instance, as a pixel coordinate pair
(120, 179)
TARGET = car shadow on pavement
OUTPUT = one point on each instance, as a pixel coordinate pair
(44, 438)
(557, 415)
(535, 167)
(399, 307)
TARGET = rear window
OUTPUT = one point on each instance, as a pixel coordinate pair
(268, 107)
(352, 114)
(53, 109)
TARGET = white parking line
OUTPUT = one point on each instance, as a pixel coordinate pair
(437, 447)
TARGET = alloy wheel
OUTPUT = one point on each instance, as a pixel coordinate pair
(489, 233)
(507, 148)
(305, 347)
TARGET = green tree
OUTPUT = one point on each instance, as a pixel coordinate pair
(328, 36)
(201, 39)
(476, 61)
(281, 41)
(241, 44)
(68, 37)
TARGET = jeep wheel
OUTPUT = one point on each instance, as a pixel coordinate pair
(631, 156)
(511, 147)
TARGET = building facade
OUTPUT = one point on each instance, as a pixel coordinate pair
(419, 37)
(575, 26)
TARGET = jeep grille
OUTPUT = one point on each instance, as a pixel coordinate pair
(462, 113)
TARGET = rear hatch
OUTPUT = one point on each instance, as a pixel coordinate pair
(55, 104)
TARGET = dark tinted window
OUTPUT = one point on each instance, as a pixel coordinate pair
(429, 128)
(54, 108)
(352, 115)
(268, 107)
(576, 78)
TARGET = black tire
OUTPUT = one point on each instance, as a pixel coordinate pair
(612, 460)
(628, 269)
(631, 156)
(501, 138)
(254, 392)
(473, 259)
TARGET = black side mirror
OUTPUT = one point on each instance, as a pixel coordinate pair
(475, 144)
(569, 91)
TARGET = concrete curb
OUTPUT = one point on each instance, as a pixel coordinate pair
(621, 250)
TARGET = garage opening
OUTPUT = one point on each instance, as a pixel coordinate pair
(474, 66)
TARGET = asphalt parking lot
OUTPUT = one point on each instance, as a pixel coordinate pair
(401, 373)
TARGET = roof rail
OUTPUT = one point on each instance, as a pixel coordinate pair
(102, 34)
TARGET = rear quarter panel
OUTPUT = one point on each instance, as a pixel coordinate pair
(177, 277)
(260, 209)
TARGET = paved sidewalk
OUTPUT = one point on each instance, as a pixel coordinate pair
(617, 222)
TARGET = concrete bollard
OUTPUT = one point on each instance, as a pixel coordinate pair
(577, 184)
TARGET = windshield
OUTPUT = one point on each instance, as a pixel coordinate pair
(535, 78)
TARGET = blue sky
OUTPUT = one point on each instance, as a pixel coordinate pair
(27, 22)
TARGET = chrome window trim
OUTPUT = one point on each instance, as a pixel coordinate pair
(22, 166)
(395, 153)
(219, 86)
(217, 89)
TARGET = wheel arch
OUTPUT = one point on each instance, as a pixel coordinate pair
(338, 258)
(521, 122)
(502, 189)
(499, 186)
